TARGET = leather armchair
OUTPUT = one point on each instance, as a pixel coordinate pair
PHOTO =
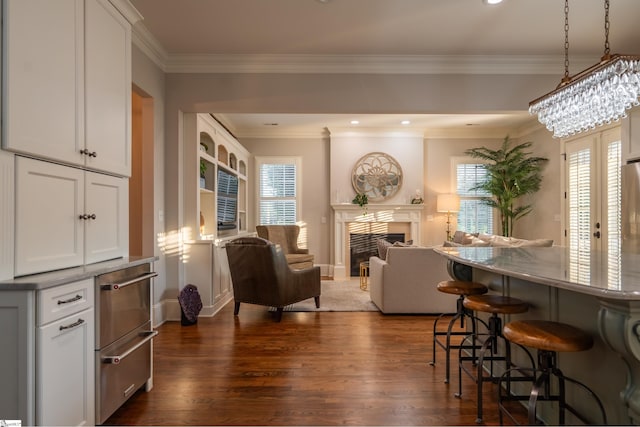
(261, 275)
(287, 237)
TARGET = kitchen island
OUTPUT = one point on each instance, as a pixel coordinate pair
(599, 293)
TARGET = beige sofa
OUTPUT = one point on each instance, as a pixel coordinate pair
(406, 281)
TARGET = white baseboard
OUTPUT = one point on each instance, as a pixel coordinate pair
(168, 310)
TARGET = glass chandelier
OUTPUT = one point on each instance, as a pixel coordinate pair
(596, 96)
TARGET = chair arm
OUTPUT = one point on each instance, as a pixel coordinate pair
(300, 251)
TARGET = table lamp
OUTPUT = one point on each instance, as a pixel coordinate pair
(448, 203)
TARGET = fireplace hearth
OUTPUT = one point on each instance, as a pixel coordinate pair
(362, 246)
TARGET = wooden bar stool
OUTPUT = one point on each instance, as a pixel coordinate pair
(494, 304)
(463, 289)
(548, 338)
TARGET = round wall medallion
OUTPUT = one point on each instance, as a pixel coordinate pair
(378, 175)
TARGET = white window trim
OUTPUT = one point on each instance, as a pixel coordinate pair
(297, 161)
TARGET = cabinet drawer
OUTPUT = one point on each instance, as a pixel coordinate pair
(60, 301)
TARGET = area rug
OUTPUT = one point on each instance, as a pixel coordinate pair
(337, 295)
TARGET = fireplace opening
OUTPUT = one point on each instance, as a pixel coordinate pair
(362, 246)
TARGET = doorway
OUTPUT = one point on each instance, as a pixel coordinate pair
(141, 183)
(592, 196)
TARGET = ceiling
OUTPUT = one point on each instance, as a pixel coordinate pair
(370, 30)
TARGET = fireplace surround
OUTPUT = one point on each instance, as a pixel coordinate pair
(380, 218)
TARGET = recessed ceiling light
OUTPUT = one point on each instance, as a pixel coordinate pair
(405, 122)
(491, 2)
(355, 122)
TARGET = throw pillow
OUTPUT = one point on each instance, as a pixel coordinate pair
(383, 245)
(407, 244)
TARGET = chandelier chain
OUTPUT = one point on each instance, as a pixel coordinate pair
(599, 95)
(606, 28)
(566, 40)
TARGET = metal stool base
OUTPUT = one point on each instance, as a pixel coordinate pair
(541, 391)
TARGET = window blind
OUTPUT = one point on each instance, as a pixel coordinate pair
(579, 165)
(277, 182)
(614, 205)
(474, 215)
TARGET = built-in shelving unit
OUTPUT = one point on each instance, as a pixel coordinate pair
(215, 205)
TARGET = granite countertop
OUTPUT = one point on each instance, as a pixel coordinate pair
(599, 273)
(68, 275)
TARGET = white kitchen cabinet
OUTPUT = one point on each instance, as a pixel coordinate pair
(65, 375)
(68, 82)
(107, 88)
(43, 66)
(106, 236)
(67, 216)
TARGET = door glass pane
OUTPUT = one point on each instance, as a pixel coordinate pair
(614, 190)
(579, 197)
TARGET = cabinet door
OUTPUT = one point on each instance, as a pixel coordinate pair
(198, 271)
(65, 384)
(107, 88)
(43, 78)
(106, 235)
(49, 202)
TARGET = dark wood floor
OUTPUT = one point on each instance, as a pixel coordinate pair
(326, 368)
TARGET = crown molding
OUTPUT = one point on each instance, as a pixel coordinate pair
(352, 64)
(127, 10)
(149, 45)
(371, 64)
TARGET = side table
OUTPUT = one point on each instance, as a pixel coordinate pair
(364, 274)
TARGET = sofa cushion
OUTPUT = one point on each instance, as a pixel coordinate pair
(383, 245)
(513, 242)
(500, 241)
(473, 242)
(463, 238)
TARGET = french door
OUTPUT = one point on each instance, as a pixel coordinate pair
(592, 196)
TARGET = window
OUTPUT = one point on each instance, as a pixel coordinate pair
(474, 216)
(278, 189)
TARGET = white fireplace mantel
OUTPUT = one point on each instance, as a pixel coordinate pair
(345, 213)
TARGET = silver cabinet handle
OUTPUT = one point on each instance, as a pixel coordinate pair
(114, 360)
(73, 325)
(70, 300)
(116, 286)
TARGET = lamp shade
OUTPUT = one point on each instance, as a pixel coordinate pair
(448, 203)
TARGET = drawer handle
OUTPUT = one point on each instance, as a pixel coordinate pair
(115, 360)
(116, 286)
(73, 325)
(88, 153)
(67, 301)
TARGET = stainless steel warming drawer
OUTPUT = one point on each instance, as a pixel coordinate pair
(123, 336)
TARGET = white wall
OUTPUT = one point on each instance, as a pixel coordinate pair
(347, 147)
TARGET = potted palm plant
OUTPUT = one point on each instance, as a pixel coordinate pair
(512, 172)
(203, 170)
